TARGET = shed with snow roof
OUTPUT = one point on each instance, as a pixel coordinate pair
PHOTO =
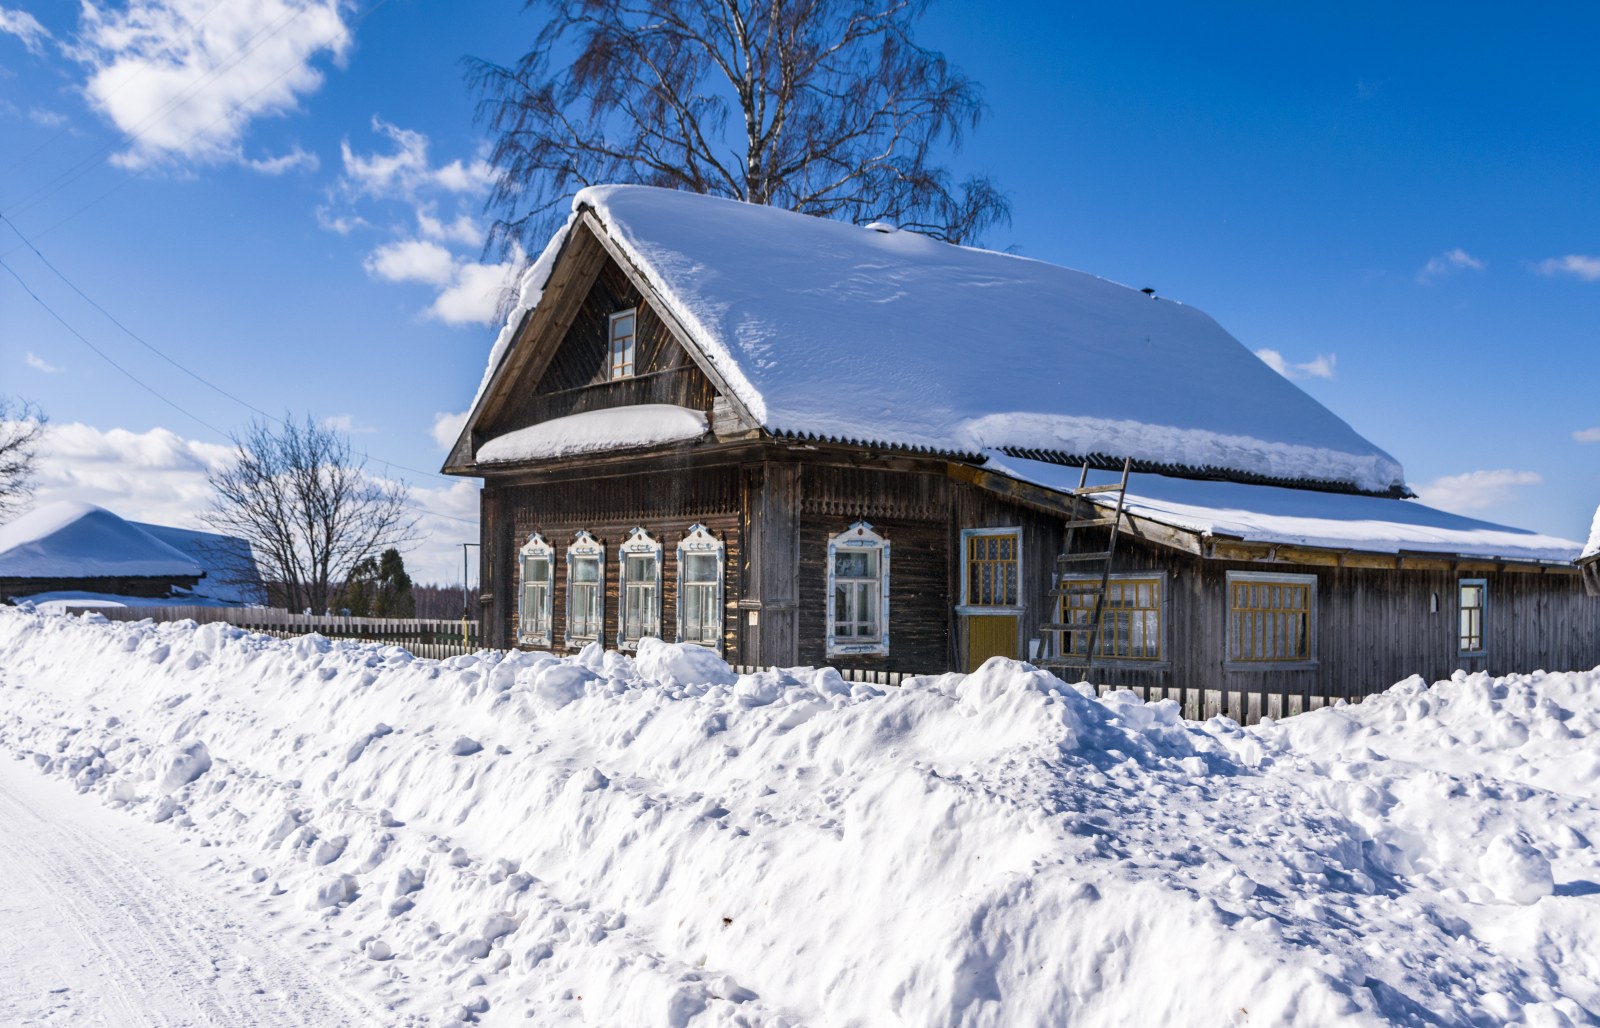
(800, 441)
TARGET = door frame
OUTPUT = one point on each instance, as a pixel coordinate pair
(965, 610)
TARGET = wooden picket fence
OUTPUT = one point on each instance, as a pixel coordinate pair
(424, 637)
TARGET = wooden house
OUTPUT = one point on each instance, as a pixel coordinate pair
(800, 442)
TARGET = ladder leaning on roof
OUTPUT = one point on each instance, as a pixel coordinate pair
(1088, 591)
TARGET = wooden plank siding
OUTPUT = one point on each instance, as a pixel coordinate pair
(578, 376)
(776, 505)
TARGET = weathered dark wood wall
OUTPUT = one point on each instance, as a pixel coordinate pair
(153, 587)
(775, 509)
(578, 377)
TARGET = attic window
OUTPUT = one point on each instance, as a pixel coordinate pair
(623, 325)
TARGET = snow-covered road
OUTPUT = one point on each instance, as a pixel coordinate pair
(105, 920)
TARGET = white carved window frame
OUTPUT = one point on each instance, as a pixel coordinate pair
(700, 542)
(585, 547)
(535, 549)
(639, 544)
(859, 536)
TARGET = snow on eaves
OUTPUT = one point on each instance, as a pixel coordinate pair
(1299, 517)
(80, 540)
(838, 331)
(1593, 548)
(613, 428)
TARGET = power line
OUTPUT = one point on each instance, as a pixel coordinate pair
(180, 408)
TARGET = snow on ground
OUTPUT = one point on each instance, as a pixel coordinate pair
(599, 840)
(111, 922)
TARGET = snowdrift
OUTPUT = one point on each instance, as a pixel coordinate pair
(598, 840)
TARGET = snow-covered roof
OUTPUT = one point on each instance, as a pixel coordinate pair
(1592, 550)
(1300, 517)
(614, 428)
(828, 330)
(232, 576)
(68, 539)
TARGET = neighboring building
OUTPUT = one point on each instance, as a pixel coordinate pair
(69, 551)
(1589, 559)
(803, 442)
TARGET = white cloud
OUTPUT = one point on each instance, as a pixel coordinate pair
(412, 260)
(1475, 490)
(38, 363)
(25, 27)
(447, 428)
(293, 160)
(47, 118)
(1320, 366)
(474, 299)
(1587, 435)
(346, 423)
(1577, 265)
(342, 224)
(405, 172)
(183, 79)
(463, 230)
(160, 477)
(1448, 263)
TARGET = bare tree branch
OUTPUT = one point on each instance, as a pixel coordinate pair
(304, 502)
(21, 431)
(822, 106)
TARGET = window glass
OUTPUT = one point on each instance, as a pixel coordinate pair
(1473, 593)
(1270, 620)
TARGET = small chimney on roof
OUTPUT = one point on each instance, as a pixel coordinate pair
(1151, 293)
(882, 226)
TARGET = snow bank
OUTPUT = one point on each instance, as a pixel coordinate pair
(662, 842)
(1592, 548)
(838, 331)
(643, 424)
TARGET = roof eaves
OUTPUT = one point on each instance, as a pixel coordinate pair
(1111, 462)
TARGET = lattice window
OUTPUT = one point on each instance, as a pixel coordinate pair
(537, 560)
(1474, 595)
(858, 591)
(993, 568)
(639, 570)
(586, 590)
(623, 331)
(1271, 618)
(1130, 627)
(700, 558)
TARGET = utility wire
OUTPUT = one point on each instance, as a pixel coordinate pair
(180, 408)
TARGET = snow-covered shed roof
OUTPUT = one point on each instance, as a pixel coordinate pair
(1300, 517)
(68, 539)
(833, 331)
(1591, 552)
(232, 576)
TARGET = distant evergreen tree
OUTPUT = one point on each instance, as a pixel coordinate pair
(360, 592)
(392, 596)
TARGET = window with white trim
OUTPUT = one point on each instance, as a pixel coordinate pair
(858, 591)
(700, 559)
(586, 590)
(536, 563)
(624, 330)
(1473, 601)
(1272, 620)
(639, 585)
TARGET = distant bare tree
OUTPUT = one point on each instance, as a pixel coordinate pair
(21, 431)
(823, 106)
(304, 502)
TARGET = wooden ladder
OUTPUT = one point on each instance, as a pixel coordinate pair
(1065, 655)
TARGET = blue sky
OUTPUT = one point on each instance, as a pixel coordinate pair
(1398, 202)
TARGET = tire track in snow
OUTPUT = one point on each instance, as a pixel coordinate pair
(97, 928)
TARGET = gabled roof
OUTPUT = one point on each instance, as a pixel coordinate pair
(68, 539)
(232, 575)
(1304, 518)
(824, 330)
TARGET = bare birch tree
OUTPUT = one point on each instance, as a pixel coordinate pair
(21, 431)
(304, 502)
(823, 106)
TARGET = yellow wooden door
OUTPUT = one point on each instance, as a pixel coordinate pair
(990, 635)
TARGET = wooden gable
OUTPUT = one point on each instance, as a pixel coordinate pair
(578, 378)
(559, 363)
